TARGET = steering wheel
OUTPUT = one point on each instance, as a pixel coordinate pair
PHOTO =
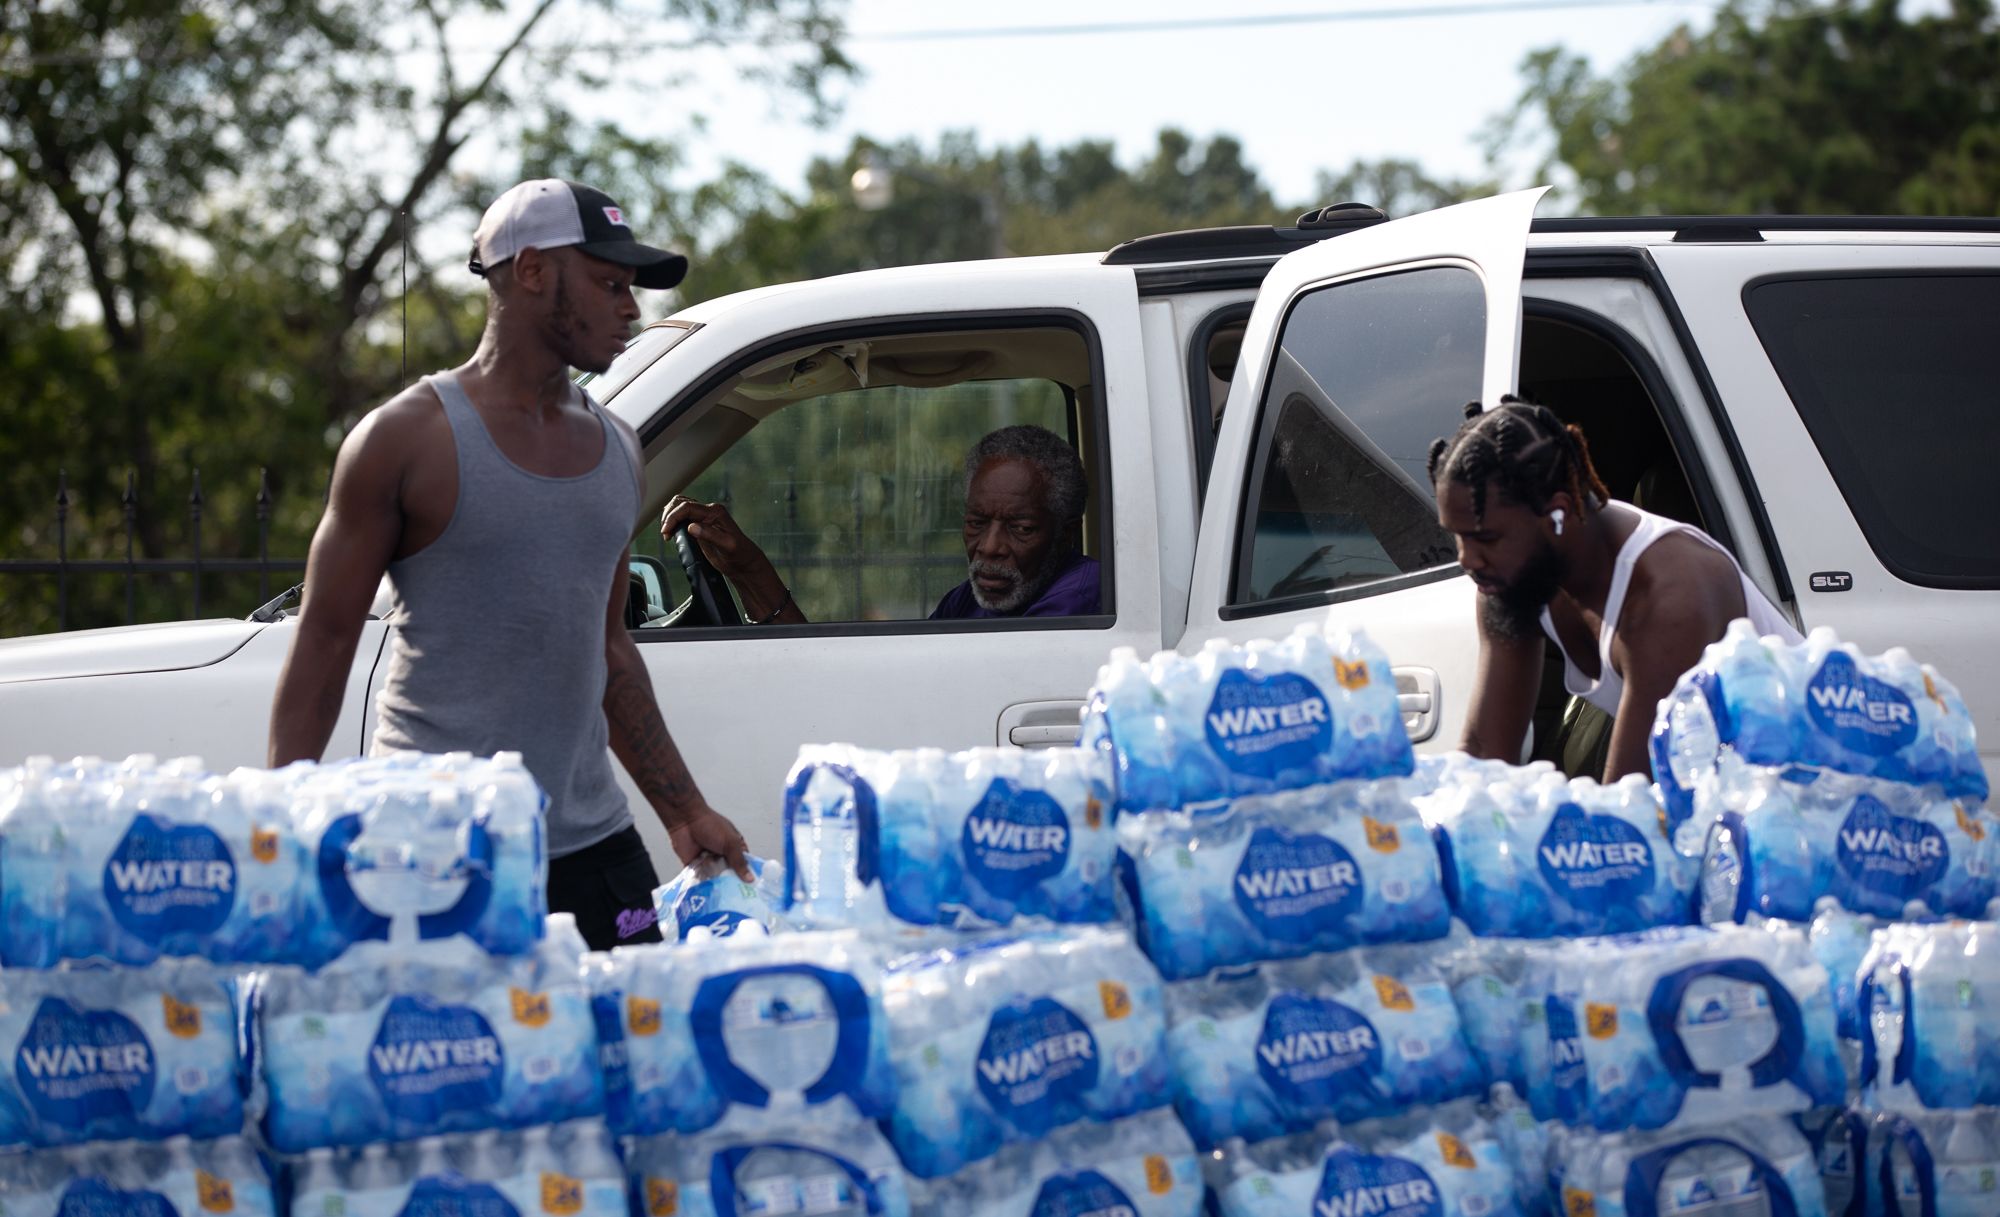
(709, 602)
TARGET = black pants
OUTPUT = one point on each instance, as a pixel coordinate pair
(609, 887)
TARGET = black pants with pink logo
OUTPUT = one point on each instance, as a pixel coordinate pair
(609, 887)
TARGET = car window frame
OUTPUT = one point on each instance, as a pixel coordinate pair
(1259, 455)
(1102, 496)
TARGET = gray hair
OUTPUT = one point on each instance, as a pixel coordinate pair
(1049, 453)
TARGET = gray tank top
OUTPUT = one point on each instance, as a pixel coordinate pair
(499, 623)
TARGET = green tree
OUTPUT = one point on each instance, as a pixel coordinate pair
(959, 201)
(203, 219)
(1399, 187)
(1782, 106)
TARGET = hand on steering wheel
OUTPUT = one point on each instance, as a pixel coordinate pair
(709, 600)
(720, 546)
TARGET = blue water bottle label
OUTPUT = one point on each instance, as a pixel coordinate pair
(1036, 1064)
(1595, 862)
(93, 1197)
(1894, 856)
(1294, 886)
(1259, 725)
(1083, 1194)
(78, 1066)
(453, 1195)
(1860, 712)
(1356, 1184)
(167, 879)
(1313, 1050)
(430, 1059)
(1014, 839)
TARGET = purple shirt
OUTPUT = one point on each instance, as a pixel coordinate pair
(1072, 593)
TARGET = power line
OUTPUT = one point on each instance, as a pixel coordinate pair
(1415, 12)
(1251, 20)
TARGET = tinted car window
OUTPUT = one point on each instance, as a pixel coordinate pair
(1367, 373)
(1898, 380)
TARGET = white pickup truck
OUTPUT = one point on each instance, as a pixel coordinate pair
(1253, 408)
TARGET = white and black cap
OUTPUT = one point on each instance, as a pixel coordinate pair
(548, 213)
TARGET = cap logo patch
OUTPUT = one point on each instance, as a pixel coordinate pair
(615, 216)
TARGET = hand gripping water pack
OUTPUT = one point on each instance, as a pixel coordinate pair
(1821, 703)
(562, 1170)
(177, 1178)
(758, 1023)
(1141, 1166)
(451, 842)
(1680, 1026)
(100, 1054)
(1241, 720)
(1278, 1048)
(398, 1042)
(1008, 1039)
(1779, 840)
(1940, 1163)
(1279, 876)
(1930, 995)
(1532, 855)
(130, 863)
(710, 898)
(829, 1165)
(1439, 1162)
(1763, 1168)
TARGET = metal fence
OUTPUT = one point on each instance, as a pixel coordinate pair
(888, 553)
(64, 569)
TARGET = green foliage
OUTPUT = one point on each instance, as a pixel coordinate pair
(1398, 187)
(203, 220)
(1784, 106)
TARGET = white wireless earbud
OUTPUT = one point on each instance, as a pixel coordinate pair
(1556, 518)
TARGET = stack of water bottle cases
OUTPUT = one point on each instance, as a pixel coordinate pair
(1239, 951)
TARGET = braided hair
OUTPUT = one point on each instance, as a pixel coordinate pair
(1526, 449)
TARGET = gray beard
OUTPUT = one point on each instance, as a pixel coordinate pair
(1021, 590)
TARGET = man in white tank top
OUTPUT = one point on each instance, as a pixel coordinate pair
(1629, 598)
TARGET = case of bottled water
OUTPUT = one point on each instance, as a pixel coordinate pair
(1682, 1026)
(1280, 1047)
(563, 1170)
(1140, 1166)
(1230, 721)
(1277, 876)
(177, 1178)
(830, 1165)
(1929, 995)
(110, 1053)
(708, 899)
(696, 1028)
(1444, 1161)
(399, 1041)
(1007, 1039)
(1746, 1168)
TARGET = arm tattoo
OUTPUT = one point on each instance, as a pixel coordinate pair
(643, 745)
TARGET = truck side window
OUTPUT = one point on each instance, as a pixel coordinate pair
(844, 461)
(1894, 376)
(1368, 372)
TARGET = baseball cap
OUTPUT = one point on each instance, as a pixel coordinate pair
(548, 212)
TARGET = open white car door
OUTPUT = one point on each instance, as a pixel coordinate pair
(1359, 352)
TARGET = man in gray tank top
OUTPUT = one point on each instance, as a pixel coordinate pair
(500, 501)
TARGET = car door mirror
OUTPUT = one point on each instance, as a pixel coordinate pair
(649, 588)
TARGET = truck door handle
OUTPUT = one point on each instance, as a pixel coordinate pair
(1041, 724)
(1417, 696)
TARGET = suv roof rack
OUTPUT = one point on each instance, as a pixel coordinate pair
(1747, 227)
(1246, 240)
(1268, 241)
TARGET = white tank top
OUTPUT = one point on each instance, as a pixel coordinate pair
(1609, 687)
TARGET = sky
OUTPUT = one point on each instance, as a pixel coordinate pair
(1395, 78)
